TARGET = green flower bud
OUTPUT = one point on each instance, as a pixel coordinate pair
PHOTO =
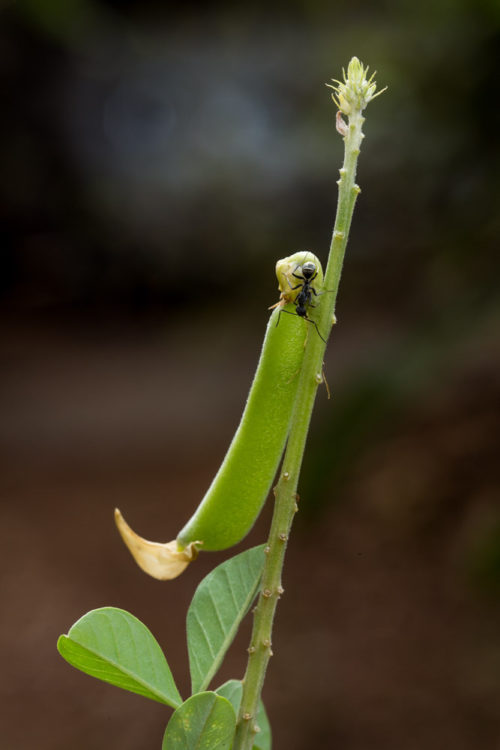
(356, 90)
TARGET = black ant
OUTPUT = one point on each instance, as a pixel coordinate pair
(303, 300)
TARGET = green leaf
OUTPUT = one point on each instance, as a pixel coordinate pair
(116, 647)
(232, 690)
(219, 604)
(204, 722)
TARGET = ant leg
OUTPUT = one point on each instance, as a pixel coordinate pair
(309, 320)
(293, 288)
(288, 313)
(316, 327)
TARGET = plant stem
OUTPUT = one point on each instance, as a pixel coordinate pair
(311, 376)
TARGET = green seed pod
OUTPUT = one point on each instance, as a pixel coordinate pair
(235, 497)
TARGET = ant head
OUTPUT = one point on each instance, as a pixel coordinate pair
(309, 270)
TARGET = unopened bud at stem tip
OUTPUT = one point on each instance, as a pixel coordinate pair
(353, 93)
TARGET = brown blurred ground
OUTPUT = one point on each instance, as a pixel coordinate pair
(154, 167)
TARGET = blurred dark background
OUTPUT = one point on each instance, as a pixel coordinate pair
(154, 165)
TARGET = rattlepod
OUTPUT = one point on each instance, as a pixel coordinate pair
(238, 491)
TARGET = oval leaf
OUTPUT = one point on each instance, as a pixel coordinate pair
(204, 722)
(116, 647)
(219, 604)
(232, 690)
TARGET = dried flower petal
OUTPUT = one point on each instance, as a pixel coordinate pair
(161, 561)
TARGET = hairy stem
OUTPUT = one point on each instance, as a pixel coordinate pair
(311, 376)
